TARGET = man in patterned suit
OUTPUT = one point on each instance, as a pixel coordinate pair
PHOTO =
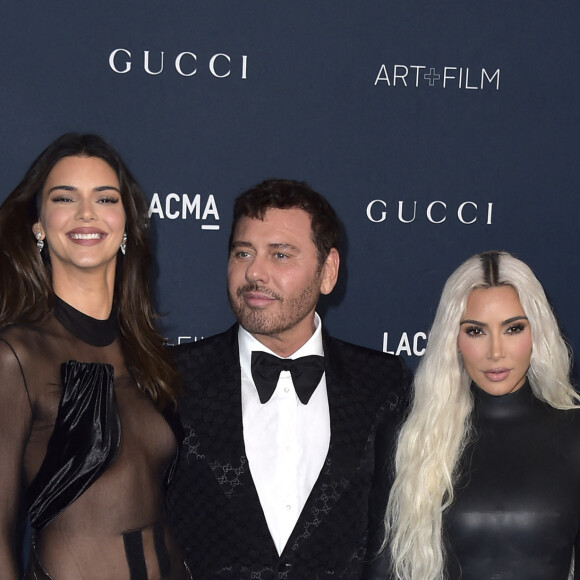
(284, 470)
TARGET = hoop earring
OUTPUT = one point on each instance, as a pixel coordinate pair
(39, 242)
(123, 245)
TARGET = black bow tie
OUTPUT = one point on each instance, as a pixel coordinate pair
(306, 373)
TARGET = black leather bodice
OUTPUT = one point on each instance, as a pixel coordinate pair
(516, 512)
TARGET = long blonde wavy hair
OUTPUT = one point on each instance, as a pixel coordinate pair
(439, 424)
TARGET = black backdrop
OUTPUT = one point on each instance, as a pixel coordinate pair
(436, 129)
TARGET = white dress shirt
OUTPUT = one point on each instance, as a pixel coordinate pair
(286, 442)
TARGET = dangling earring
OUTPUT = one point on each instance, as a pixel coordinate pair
(123, 245)
(39, 242)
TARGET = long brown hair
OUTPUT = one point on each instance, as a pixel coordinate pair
(26, 293)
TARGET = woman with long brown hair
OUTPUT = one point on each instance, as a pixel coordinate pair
(87, 390)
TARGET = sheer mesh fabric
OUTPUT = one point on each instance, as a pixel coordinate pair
(85, 540)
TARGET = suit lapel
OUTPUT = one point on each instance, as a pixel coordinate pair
(221, 419)
(211, 406)
(222, 428)
(347, 435)
(346, 445)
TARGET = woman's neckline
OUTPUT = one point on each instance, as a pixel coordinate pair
(510, 405)
(86, 328)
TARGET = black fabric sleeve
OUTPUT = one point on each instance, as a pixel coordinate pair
(378, 561)
(15, 421)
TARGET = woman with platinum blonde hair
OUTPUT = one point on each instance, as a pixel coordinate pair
(488, 461)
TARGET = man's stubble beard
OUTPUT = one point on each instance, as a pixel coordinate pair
(263, 321)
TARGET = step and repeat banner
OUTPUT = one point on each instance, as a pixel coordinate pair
(437, 130)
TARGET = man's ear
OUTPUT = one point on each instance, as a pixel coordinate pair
(330, 271)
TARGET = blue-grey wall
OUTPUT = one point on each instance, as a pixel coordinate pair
(436, 129)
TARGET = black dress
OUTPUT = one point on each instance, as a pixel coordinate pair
(90, 451)
(516, 513)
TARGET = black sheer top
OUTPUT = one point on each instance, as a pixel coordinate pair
(89, 449)
(516, 513)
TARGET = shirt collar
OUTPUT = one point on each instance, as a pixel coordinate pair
(248, 344)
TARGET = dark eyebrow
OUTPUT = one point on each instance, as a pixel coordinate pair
(508, 321)
(107, 188)
(241, 244)
(73, 188)
(476, 322)
(273, 245)
(65, 187)
(282, 246)
(513, 319)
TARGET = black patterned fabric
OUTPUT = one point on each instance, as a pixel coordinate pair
(213, 504)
